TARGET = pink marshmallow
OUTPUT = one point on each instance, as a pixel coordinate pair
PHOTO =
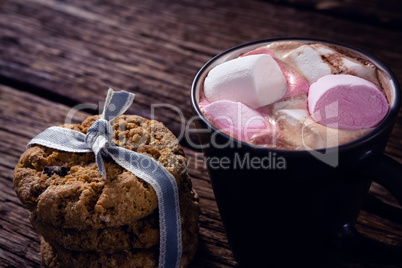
(346, 102)
(235, 119)
(296, 83)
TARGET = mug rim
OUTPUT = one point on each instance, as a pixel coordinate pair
(386, 122)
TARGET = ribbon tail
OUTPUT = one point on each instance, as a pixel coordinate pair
(63, 139)
(99, 147)
(166, 189)
(100, 164)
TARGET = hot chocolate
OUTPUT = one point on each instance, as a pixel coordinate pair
(295, 96)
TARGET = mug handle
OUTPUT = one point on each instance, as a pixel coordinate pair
(387, 172)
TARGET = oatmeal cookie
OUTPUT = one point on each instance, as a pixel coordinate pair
(57, 257)
(66, 189)
(143, 233)
(54, 255)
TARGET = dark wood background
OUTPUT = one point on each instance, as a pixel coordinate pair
(55, 55)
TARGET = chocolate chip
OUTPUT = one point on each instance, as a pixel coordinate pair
(59, 170)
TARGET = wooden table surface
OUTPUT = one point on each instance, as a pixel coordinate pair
(57, 54)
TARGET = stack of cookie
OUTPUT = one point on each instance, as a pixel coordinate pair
(87, 221)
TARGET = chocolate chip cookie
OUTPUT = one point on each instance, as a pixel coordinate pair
(55, 257)
(66, 189)
(143, 233)
(89, 221)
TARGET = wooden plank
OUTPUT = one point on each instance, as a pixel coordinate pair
(63, 53)
(76, 49)
(66, 50)
(374, 12)
(24, 116)
(32, 114)
(19, 244)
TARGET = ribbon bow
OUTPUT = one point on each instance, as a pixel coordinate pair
(99, 141)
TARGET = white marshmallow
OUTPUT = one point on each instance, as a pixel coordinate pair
(297, 130)
(357, 69)
(323, 50)
(309, 62)
(294, 116)
(254, 80)
(345, 64)
(308, 59)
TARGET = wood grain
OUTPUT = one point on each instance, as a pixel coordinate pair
(374, 12)
(25, 116)
(213, 251)
(55, 55)
(77, 49)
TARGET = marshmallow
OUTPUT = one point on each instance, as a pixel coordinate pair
(254, 80)
(293, 116)
(309, 62)
(345, 64)
(258, 51)
(295, 102)
(297, 130)
(356, 68)
(235, 119)
(323, 50)
(296, 82)
(346, 102)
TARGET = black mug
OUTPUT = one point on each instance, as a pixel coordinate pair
(295, 209)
